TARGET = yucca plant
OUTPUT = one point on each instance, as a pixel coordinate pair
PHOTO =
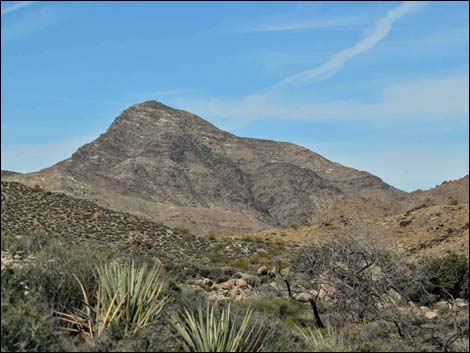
(324, 340)
(127, 298)
(207, 332)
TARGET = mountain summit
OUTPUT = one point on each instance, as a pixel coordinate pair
(173, 166)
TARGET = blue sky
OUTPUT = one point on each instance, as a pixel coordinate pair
(378, 86)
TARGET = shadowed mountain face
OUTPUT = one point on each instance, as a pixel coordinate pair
(172, 166)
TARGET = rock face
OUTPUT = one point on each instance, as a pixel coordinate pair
(172, 166)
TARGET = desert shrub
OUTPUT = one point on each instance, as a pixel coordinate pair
(241, 264)
(295, 226)
(219, 258)
(465, 285)
(52, 273)
(441, 278)
(277, 308)
(36, 188)
(47, 265)
(25, 325)
(155, 338)
(127, 299)
(25, 244)
(207, 331)
(182, 229)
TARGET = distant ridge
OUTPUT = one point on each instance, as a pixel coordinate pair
(7, 173)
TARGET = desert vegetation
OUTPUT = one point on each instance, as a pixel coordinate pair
(345, 294)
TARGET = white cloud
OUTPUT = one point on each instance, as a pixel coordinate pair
(428, 99)
(18, 5)
(338, 60)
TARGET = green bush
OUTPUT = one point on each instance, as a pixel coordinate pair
(449, 276)
(36, 188)
(439, 279)
(52, 273)
(26, 325)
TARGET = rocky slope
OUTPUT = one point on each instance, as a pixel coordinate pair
(172, 166)
(449, 192)
(32, 212)
(28, 211)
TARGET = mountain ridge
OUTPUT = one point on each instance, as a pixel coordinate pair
(172, 166)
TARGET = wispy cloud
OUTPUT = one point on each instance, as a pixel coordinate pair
(302, 25)
(338, 60)
(30, 22)
(18, 5)
(424, 99)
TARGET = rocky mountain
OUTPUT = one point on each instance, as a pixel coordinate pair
(450, 192)
(172, 166)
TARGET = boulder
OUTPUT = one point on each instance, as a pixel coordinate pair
(431, 314)
(234, 292)
(241, 283)
(323, 294)
(227, 285)
(304, 297)
(442, 306)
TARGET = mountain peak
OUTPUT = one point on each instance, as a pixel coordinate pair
(153, 104)
(152, 118)
(176, 167)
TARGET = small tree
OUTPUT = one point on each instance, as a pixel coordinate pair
(361, 278)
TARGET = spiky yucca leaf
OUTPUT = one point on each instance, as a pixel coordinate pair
(138, 287)
(206, 332)
(324, 340)
(127, 298)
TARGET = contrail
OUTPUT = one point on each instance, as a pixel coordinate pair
(338, 60)
(17, 6)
